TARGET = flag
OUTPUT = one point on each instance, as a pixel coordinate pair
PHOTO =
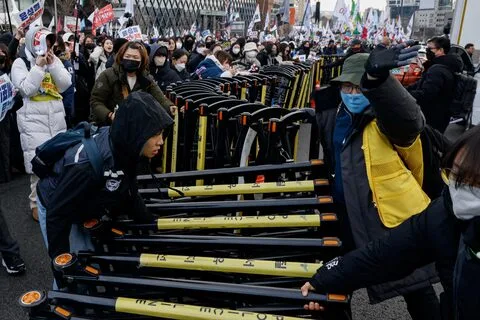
(14, 7)
(267, 21)
(341, 11)
(286, 11)
(156, 34)
(50, 26)
(193, 28)
(128, 9)
(369, 22)
(256, 18)
(317, 12)
(307, 16)
(91, 17)
(410, 26)
(229, 15)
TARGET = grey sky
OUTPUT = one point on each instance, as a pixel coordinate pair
(329, 5)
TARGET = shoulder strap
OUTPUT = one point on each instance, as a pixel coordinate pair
(93, 154)
(27, 63)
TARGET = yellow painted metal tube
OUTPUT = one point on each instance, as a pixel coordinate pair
(175, 131)
(202, 145)
(244, 266)
(254, 188)
(271, 221)
(160, 309)
(165, 155)
(243, 93)
(263, 96)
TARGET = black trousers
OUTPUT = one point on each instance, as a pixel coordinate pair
(423, 304)
(8, 245)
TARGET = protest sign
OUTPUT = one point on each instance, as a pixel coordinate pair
(29, 15)
(70, 23)
(131, 33)
(7, 94)
(103, 16)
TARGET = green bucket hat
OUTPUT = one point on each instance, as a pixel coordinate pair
(353, 69)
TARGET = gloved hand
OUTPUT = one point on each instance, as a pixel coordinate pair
(382, 60)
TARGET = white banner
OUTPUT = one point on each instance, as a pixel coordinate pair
(29, 15)
(70, 23)
(131, 33)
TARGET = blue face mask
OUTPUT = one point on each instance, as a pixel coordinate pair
(356, 103)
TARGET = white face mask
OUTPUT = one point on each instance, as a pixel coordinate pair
(251, 54)
(466, 200)
(236, 50)
(159, 61)
(201, 50)
(179, 45)
(180, 67)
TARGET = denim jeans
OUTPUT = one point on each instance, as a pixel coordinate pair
(79, 240)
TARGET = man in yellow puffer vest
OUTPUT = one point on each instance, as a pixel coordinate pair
(379, 169)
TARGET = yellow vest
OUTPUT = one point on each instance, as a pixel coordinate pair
(395, 176)
(48, 90)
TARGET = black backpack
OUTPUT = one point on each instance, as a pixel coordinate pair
(48, 153)
(464, 95)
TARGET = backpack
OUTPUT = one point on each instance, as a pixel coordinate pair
(464, 94)
(51, 151)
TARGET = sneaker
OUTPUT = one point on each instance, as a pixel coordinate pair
(14, 264)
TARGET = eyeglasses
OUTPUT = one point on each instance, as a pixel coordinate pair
(349, 88)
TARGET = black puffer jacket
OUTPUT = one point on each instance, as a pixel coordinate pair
(74, 194)
(434, 91)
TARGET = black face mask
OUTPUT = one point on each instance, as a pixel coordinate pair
(208, 44)
(430, 54)
(2, 59)
(130, 65)
(90, 46)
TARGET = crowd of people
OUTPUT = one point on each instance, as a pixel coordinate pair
(381, 144)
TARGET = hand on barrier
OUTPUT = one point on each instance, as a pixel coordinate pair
(312, 306)
(382, 60)
(173, 109)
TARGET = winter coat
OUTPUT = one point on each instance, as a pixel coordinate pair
(164, 75)
(111, 88)
(401, 121)
(184, 75)
(99, 59)
(211, 68)
(38, 121)
(84, 81)
(193, 61)
(64, 193)
(434, 92)
(431, 236)
(266, 60)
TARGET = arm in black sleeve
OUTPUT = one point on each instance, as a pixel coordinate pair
(398, 114)
(12, 48)
(75, 187)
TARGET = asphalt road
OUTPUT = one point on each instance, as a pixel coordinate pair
(14, 204)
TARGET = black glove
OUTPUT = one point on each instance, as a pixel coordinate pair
(382, 60)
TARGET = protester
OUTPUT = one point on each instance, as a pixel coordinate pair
(84, 79)
(217, 65)
(434, 91)
(209, 42)
(250, 53)
(117, 44)
(196, 57)
(179, 64)
(304, 49)
(136, 134)
(236, 51)
(5, 124)
(172, 46)
(376, 134)
(470, 48)
(11, 259)
(267, 57)
(284, 53)
(432, 236)
(100, 55)
(331, 49)
(178, 43)
(188, 43)
(128, 74)
(40, 78)
(160, 67)
(215, 48)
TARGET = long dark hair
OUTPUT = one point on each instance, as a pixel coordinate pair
(8, 61)
(466, 168)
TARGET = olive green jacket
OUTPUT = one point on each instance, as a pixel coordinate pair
(111, 88)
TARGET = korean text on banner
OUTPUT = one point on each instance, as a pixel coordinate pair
(29, 15)
(131, 33)
(7, 95)
(103, 16)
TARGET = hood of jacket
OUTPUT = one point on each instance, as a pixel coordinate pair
(31, 44)
(137, 119)
(211, 61)
(452, 61)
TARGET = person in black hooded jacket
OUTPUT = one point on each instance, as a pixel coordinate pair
(434, 92)
(75, 194)
(160, 67)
